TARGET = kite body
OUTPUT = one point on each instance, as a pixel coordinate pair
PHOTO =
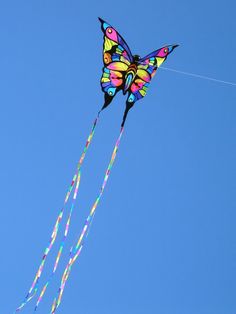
(127, 72)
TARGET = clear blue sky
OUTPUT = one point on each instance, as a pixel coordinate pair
(163, 239)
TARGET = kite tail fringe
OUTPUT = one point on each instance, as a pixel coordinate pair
(62, 243)
(76, 178)
(75, 252)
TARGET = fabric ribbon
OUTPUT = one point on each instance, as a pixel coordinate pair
(76, 178)
(75, 252)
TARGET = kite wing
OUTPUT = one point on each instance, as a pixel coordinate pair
(146, 69)
(117, 57)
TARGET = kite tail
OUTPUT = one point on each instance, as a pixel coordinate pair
(62, 243)
(107, 101)
(129, 105)
(76, 178)
(75, 252)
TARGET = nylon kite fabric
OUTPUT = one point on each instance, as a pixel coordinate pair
(126, 72)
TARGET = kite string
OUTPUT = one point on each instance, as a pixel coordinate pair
(198, 76)
(75, 252)
(34, 286)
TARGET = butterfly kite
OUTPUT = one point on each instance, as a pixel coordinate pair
(124, 72)
(127, 72)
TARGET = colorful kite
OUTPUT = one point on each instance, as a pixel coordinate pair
(127, 72)
(121, 71)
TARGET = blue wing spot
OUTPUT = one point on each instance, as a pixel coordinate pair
(111, 91)
(131, 98)
(105, 25)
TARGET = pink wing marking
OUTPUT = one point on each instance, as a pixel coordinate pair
(116, 78)
(162, 53)
(137, 85)
(112, 34)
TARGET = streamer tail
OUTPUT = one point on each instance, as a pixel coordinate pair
(34, 286)
(75, 252)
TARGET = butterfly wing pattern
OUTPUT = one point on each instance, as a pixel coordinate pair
(117, 58)
(123, 71)
(146, 69)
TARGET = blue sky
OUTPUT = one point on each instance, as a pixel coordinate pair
(163, 239)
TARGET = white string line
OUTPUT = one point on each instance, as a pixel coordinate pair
(199, 76)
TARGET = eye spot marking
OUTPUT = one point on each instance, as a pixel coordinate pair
(111, 34)
(107, 58)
